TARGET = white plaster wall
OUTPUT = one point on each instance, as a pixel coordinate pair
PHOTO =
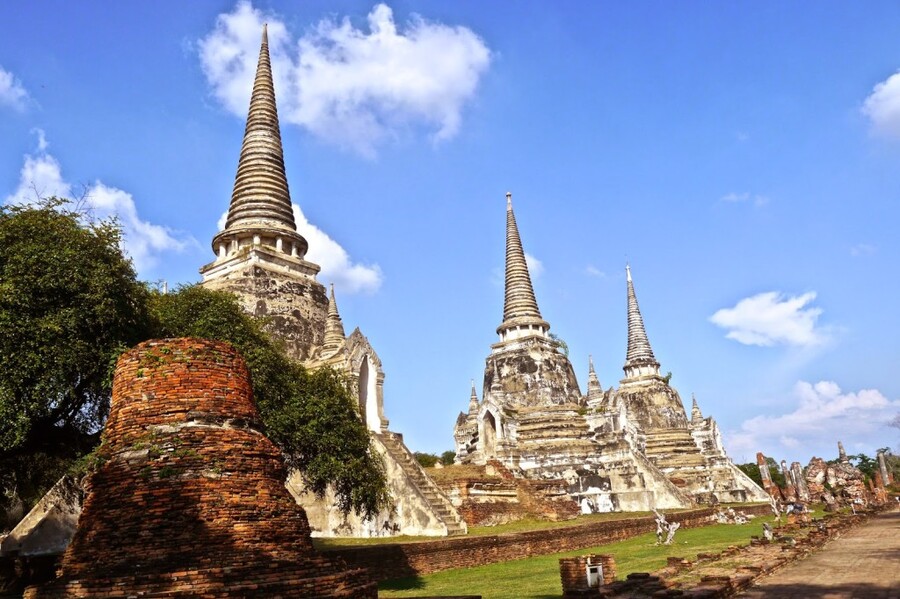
(411, 514)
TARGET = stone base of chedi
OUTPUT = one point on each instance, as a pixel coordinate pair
(190, 500)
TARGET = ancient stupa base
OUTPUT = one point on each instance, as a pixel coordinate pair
(190, 497)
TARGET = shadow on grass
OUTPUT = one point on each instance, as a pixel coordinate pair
(410, 583)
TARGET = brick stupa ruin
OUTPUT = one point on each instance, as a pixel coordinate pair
(626, 449)
(261, 259)
(190, 500)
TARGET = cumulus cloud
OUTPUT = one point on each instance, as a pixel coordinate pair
(41, 177)
(337, 268)
(535, 266)
(354, 87)
(882, 107)
(11, 91)
(593, 271)
(819, 415)
(772, 318)
(758, 201)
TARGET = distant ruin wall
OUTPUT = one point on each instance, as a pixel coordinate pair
(390, 561)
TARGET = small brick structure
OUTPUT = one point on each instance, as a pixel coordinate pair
(190, 500)
(573, 573)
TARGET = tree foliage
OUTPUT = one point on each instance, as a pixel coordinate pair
(70, 303)
(429, 460)
(426, 460)
(751, 469)
(309, 414)
(864, 464)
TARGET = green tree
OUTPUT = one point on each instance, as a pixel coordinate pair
(426, 460)
(561, 345)
(69, 303)
(751, 469)
(865, 464)
(448, 457)
(310, 414)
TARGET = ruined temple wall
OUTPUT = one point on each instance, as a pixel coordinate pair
(653, 404)
(188, 499)
(410, 515)
(48, 528)
(296, 306)
(391, 561)
(732, 485)
(532, 372)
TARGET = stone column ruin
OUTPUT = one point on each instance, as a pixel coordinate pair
(770, 487)
(886, 475)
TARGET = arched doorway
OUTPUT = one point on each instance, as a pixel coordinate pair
(368, 394)
(489, 424)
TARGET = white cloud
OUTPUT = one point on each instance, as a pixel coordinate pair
(757, 200)
(337, 268)
(43, 144)
(143, 242)
(821, 414)
(348, 86)
(40, 177)
(594, 271)
(862, 249)
(11, 91)
(535, 266)
(882, 107)
(771, 318)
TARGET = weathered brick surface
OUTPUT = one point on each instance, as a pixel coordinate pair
(391, 561)
(573, 571)
(191, 500)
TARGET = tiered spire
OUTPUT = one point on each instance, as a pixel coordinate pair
(520, 309)
(261, 201)
(334, 327)
(496, 387)
(473, 400)
(639, 359)
(595, 390)
(696, 415)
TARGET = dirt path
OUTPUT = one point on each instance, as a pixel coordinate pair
(864, 563)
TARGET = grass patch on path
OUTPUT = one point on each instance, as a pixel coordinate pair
(538, 577)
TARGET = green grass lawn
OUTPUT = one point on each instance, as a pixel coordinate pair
(538, 577)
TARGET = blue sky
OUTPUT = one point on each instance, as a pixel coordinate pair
(743, 157)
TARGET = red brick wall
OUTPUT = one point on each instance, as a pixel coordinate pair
(190, 500)
(391, 561)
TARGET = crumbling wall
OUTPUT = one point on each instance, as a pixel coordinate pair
(410, 515)
(532, 372)
(189, 499)
(296, 307)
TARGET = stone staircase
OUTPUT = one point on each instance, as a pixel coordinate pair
(675, 453)
(440, 504)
